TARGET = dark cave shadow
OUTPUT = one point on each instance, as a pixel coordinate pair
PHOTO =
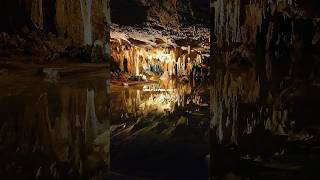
(124, 12)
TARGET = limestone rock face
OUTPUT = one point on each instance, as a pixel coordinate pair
(83, 21)
(36, 13)
(265, 56)
(265, 81)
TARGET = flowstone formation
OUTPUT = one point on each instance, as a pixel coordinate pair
(265, 61)
(53, 29)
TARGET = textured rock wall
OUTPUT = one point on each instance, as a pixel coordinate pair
(264, 86)
(83, 21)
(265, 59)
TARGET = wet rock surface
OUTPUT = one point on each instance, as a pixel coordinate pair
(263, 82)
(44, 31)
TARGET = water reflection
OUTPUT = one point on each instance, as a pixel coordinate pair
(160, 130)
(162, 98)
(54, 130)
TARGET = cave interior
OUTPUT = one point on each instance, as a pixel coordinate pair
(160, 89)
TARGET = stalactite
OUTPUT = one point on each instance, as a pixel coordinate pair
(227, 25)
(227, 21)
(106, 11)
(229, 90)
(37, 13)
(163, 60)
(86, 8)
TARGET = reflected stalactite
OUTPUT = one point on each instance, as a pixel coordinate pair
(230, 87)
(164, 98)
(67, 130)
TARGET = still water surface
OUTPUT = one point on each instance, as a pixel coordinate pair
(54, 129)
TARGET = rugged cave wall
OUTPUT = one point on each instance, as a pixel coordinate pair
(177, 47)
(160, 13)
(84, 22)
(265, 68)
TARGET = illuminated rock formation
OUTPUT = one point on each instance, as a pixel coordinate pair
(73, 23)
(150, 52)
(166, 38)
(264, 75)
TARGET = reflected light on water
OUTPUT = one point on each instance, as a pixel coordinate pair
(161, 98)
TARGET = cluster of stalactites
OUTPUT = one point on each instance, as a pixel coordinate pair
(166, 60)
(140, 103)
(226, 94)
(227, 21)
(227, 26)
(76, 118)
(75, 18)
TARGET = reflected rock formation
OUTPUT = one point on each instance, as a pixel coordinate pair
(159, 130)
(156, 99)
(264, 98)
(55, 131)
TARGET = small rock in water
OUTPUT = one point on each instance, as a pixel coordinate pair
(52, 73)
(183, 121)
(257, 159)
